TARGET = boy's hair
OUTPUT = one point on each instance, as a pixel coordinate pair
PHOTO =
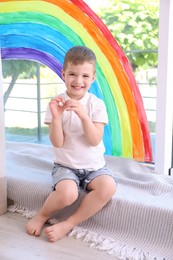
(78, 55)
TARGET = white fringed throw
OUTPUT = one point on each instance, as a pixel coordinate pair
(136, 225)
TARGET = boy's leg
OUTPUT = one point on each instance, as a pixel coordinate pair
(102, 189)
(66, 192)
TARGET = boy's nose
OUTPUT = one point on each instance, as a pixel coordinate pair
(78, 80)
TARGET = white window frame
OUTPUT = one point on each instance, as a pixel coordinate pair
(164, 108)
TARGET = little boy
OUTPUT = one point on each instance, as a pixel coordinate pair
(76, 122)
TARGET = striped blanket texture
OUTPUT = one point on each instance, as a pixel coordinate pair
(136, 225)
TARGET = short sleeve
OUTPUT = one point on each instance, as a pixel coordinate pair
(48, 116)
(99, 112)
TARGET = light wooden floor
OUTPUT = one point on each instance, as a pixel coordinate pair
(16, 244)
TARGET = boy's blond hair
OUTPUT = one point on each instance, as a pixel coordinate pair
(78, 55)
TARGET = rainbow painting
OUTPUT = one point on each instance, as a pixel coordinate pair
(44, 30)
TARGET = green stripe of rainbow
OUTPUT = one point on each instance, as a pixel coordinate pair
(127, 133)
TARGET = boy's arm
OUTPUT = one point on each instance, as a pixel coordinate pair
(93, 131)
(56, 133)
(55, 126)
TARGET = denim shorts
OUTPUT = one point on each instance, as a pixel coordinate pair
(81, 176)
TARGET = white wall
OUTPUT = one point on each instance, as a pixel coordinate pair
(3, 184)
(2, 142)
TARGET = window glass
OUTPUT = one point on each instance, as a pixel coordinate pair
(135, 25)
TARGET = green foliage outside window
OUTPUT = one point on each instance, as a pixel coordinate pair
(135, 25)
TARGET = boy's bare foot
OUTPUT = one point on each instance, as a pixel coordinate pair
(58, 231)
(35, 225)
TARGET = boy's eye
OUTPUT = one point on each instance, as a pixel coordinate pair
(85, 76)
(71, 74)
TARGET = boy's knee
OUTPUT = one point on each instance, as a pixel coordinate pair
(107, 190)
(69, 197)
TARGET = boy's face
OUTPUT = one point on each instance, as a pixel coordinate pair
(78, 79)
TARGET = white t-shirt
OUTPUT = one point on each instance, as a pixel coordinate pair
(76, 152)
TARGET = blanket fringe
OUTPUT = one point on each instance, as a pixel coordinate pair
(28, 213)
(112, 247)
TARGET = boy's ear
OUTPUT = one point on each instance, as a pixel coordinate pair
(94, 77)
(63, 74)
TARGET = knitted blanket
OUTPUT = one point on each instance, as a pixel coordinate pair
(137, 224)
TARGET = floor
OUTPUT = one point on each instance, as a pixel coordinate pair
(16, 244)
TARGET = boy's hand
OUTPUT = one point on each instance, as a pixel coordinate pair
(77, 107)
(57, 106)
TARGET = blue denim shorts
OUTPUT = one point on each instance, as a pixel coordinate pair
(80, 176)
